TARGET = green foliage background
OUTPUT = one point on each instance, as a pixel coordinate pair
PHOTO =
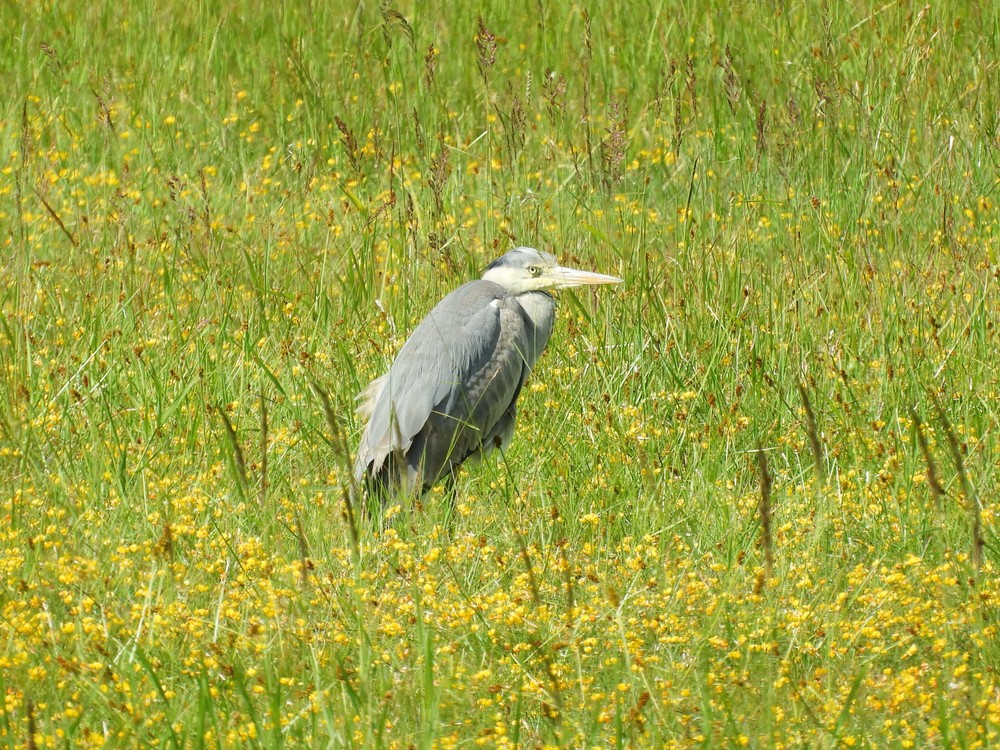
(208, 207)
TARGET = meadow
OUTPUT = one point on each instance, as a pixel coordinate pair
(752, 496)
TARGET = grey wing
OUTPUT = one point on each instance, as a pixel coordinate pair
(453, 382)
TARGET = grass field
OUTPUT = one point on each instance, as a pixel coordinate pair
(752, 499)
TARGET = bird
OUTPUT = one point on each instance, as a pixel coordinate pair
(451, 393)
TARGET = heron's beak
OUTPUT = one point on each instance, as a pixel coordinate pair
(568, 277)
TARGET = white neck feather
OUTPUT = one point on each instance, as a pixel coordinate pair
(541, 311)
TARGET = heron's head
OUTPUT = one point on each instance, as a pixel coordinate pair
(525, 269)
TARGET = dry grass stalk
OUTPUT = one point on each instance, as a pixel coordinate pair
(430, 64)
(813, 433)
(761, 130)
(536, 598)
(263, 481)
(937, 491)
(440, 171)
(588, 53)
(615, 145)
(349, 141)
(764, 507)
(486, 43)
(338, 442)
(514, 124)
(305, 564)
(967, 490)
(554, 92)
(105, 116)
(731, 80)
(393, 19)
(29, 710)
(239, 462)
(692, 84)
(562, 544)
(56, 218)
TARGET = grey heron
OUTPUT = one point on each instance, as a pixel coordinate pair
(451, 393)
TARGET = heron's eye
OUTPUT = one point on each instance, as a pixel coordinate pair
(534, 270)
